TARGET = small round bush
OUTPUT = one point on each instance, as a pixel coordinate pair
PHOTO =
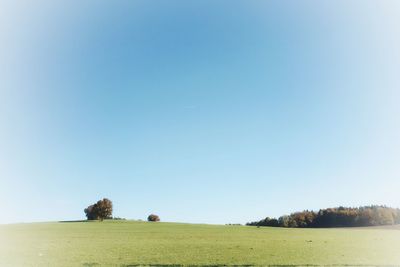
(153, 218)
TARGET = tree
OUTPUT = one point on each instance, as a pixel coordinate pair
(284, 221)
(101, 210)
(336, 217)
(91, 213)
(153, 218)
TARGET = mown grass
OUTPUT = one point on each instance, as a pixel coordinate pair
(128, 243)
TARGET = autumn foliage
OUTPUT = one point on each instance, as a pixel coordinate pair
(336, 217)
(101, 210)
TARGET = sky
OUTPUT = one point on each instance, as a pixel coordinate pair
(198, 111)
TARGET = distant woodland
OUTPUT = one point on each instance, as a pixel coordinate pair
(335, 217)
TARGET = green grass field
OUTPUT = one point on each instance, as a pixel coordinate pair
(124, 243)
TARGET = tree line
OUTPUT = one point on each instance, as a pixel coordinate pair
(103, 209)
(335, 217)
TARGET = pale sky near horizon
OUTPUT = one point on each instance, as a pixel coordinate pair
(198, 111)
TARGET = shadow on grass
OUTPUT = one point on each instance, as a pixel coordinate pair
(182, 265)
(249, 265)
(74, 221)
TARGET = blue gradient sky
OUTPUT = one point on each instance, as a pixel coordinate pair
(199, 111)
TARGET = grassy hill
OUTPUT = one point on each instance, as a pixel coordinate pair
(124, 243)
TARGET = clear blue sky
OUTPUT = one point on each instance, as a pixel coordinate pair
(199, 111)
